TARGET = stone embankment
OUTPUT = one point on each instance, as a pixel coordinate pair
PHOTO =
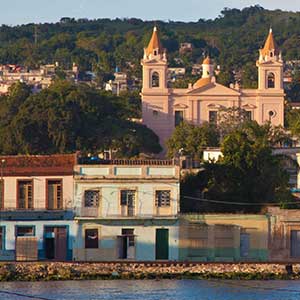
(39, 271)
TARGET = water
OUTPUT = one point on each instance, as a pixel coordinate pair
(152, 290)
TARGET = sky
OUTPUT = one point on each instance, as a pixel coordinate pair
(14, 12)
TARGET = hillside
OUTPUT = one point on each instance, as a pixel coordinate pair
(232, 39)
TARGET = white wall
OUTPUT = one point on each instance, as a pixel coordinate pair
(110, 196)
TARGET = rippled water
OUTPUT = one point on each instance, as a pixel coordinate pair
(152, 290)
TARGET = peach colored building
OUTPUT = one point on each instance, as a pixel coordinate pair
(36, 207)
(164, 107)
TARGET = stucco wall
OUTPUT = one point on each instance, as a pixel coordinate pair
(39, 190)
(145, 236)
(39, 226)
(223, 243)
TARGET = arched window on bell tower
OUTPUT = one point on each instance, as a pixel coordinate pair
(271, 81)
(155, 79)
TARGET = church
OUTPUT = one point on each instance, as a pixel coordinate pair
(163, 108)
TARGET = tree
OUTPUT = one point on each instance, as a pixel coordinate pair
(247, 173)
(293, 121)
(192, 139)
(67, 117)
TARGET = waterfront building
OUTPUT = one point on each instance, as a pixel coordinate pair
(284, 234)
(163, 108)
(126, 209)
(36, 207)
(223, 237)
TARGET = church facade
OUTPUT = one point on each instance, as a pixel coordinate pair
(163, 108)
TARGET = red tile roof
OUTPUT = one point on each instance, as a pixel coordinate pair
(37, 165)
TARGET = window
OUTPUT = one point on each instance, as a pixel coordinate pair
(25, 194)
(248, 115)
(91, 198)
(271, 81)
(155, 113)
(1, 238)
(91, 238)
(213, 117)
(178, 117)
(1, 194)
(54, 194)
(155, 79)
(128, 202)
(25, 231)
(162, 198)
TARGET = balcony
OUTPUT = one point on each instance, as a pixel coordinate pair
(92, 213)
(10, 214)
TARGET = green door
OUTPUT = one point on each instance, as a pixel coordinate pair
(162, 244)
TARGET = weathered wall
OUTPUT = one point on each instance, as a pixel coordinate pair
(145, 236)
(218, 237)
(8, 253)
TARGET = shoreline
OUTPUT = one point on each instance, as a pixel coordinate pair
(61, 271)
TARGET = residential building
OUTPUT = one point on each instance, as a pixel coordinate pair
(175, 73)
(163, 108)
(119, 84)
(126, 209)
(36, 207)
(185, 47)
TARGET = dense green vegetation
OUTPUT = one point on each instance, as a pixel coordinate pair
(232, 39)
(248, 172)
(67, 117)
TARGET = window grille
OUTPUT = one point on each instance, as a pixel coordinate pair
(162, 198)
(91, 198)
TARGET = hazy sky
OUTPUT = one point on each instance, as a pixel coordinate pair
(27, 11)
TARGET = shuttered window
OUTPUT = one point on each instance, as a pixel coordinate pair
(54, 189)
(127, 201)
(25, 194)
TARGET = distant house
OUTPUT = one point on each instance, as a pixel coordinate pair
(119, 84)
(185, 47)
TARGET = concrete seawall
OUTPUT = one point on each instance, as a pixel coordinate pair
(33, 271)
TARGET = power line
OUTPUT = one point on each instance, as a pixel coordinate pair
(23, 295)
(238, 203)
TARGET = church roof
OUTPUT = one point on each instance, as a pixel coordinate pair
(202, 82)
(207, 61)
(154, 43)
(270, 45)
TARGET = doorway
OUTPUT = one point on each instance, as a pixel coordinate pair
(126, 244)
(56, 243)
(162, 244)
(244, 244)
(295, 243)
